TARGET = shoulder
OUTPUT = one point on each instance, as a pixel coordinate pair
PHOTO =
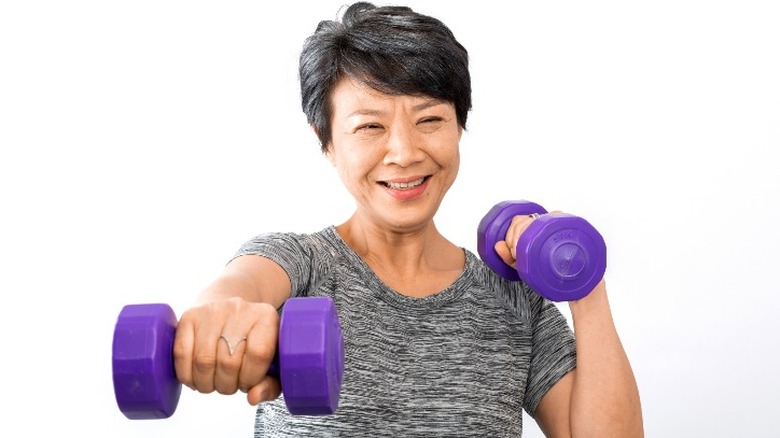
(326, 238)
(516, 296)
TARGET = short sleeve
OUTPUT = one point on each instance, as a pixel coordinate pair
(289, 252)
(553, 353)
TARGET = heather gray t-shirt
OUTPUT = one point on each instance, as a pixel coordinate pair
(462, 362)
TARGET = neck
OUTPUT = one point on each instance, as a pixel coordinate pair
(416, 263)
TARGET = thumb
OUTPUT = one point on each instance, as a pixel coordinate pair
(268, 389)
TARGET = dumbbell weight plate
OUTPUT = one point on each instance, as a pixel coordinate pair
(311, 356)
(145, 382)
(492, 229)
(563, 257)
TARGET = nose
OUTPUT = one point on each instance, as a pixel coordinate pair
(404, 147)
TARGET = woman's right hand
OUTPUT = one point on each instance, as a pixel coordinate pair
(228, 345)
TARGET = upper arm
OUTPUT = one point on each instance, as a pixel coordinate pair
(553, 412)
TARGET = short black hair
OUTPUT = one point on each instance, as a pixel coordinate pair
(391, 49)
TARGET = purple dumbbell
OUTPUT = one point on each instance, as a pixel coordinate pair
(560, 256)
(309, 361)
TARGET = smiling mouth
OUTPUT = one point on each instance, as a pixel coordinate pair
(404, 185)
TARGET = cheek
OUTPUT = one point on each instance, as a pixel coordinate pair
(455, 166)
(352, 167)
(344, 171)
(449, 161)
(448, 154)
(361, 159)
(456, 161)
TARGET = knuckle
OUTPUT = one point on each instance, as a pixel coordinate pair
(180, 353)
(268, 312)
(261, 354)
(204, 363)
(226, 389)
(230, 364)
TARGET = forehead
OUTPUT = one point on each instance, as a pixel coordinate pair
(351, 95)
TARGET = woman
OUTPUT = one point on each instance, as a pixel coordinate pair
(436, 343)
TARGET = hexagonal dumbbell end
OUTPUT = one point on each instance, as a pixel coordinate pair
(492, 229)
(560, 256)
(145, 383)
(310, 355)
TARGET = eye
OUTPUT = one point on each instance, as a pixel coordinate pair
(431, 119)
(430, 124)
(368, 127)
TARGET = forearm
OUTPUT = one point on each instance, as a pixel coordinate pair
(605, 399)
(251, 278)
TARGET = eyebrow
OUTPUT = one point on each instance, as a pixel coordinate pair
(419, 107)
(428, 103)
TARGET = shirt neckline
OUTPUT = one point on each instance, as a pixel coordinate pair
(390, 295)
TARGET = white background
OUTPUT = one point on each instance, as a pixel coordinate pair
(143, 142)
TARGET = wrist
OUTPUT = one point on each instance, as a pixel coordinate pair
(595, 302)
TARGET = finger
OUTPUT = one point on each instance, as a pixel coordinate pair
(503, 250)
(183, 342)
(204, 358)
(230, 353)
(518, 225)
(260, 348)
(268, 389)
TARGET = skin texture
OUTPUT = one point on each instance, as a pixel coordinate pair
(600, 398)
(242, 302)
(382, 144)
(397, 155)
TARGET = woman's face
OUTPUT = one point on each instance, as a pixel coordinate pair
(397, 155)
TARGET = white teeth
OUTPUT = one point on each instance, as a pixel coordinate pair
(409, 185)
